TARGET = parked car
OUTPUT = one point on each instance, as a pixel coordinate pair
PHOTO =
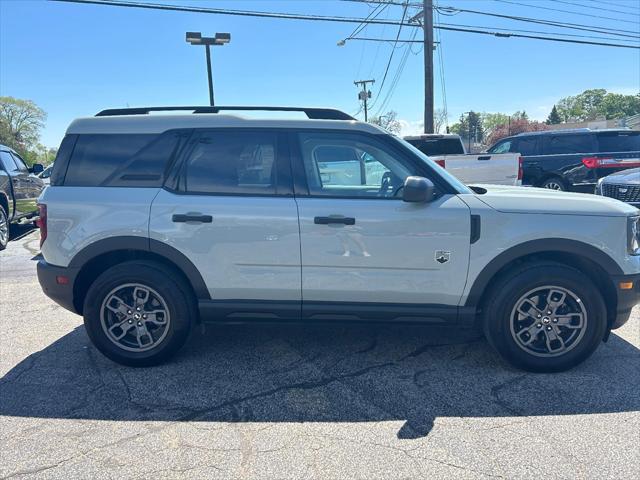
(572, 160)
(46, 174)
(155, 223)
(623, 186)
(19, 191)
(448, 152)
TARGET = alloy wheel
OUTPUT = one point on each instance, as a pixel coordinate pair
(548, 321)
(135, 317)
(4, 228)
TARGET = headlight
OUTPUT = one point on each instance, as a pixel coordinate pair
(633, 235)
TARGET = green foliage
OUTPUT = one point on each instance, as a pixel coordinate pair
(554, 117)
(470, 124)
(597, 103)
(20, 125)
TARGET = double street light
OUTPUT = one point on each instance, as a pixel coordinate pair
(196, 38)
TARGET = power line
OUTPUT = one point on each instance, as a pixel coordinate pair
(386, 71)
(570, 25)
(507, 35)
(288, 16)
(566, 11)
(616, 4)
(595, 8)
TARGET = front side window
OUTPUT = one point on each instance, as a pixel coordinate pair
(232, 163)
(8, 162)
(503, 147)
(351, 165)
(22, 167)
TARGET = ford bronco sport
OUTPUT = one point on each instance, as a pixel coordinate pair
(155, 223)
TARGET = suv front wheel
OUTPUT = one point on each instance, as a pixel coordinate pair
(139, 313)
(545, 317)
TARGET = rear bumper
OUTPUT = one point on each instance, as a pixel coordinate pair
(52, 281)
(627, 298)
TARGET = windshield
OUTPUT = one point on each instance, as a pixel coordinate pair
(457, 184)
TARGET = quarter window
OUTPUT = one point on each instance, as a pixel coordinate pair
(565, 144)
(232, 162)
(351, 165)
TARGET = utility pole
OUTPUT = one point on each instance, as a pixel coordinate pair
(427, 26)
(364, 95)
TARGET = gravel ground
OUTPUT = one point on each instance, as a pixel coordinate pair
(301, 402)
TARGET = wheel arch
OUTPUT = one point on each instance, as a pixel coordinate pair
(591, 261)
(99, 256)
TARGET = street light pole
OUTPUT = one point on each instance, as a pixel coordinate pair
(196, 38)
(209, 75)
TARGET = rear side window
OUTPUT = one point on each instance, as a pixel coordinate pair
(121, 160)
(232, 163)
(526, 146)
(565, 144)
(618, 141)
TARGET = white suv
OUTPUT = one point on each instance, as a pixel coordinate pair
(155, 223)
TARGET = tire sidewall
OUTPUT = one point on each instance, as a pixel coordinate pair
(558, 180)
(166, 285)
(4, 214)
(498, 320)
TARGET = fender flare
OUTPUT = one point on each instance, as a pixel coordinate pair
(144, 244)
(555, 245)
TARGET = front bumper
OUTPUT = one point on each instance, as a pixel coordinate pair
(53, 283)
(627, 298)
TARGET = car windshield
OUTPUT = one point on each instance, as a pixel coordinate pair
(457, 184)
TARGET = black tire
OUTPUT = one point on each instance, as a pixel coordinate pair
(501, 324)
(163, 285)
(554, 183)
(4, 224)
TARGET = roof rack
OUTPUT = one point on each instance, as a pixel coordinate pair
(312, 113)
(560, 130)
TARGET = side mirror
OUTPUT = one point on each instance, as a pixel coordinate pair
(37, 168)
(417, 190)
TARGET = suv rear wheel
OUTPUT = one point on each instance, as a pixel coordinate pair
(554, 183)
(139, 313)
(545, 317)
(4, 228)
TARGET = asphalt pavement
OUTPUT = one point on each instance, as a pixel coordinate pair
(308, 402)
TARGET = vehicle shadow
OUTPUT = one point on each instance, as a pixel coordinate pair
(21, 230)
(261, 373)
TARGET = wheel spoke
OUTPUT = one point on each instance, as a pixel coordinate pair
(554, 341)
(141, 333)
(533, 311)
(124, 328)
(568, 321)
(157, 317)
(141, 296)
(533, 332)
(120, 307)
(555, 299)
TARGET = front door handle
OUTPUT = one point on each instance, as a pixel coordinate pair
(191, 217)
(334, 219)
(485, 157)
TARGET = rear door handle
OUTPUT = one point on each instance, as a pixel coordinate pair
(485, 157)
(334, 219)
(189, 217)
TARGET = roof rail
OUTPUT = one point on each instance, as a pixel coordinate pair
(312, 113)
(559, 130)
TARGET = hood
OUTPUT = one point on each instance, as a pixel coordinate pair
(541, 200)
(628, 177)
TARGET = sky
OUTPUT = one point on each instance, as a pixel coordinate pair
(75, 60)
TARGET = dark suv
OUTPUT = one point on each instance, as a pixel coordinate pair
(572, 159)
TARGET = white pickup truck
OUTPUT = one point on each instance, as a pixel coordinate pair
(490, 168)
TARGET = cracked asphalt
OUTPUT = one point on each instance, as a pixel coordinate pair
(301, 402)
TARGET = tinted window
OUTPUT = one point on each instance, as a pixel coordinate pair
(232, 162)
(351, 165)
(8, 162)
(62, 159)
(526, 146)
(121, 160)
(619, 141)
(563, 144)
(22, 167)
(439, 146)
(502, 147)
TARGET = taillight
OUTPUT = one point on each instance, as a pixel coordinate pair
(41, 222)
(520, 169)
(441, 163)
(591, 162)
(609, 162)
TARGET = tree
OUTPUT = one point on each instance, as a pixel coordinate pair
(519, 124)
(469, 125)
(491, 121)
(20, 125)
(597, 103)
(439, 120)
(388, 122)
(554, 117)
